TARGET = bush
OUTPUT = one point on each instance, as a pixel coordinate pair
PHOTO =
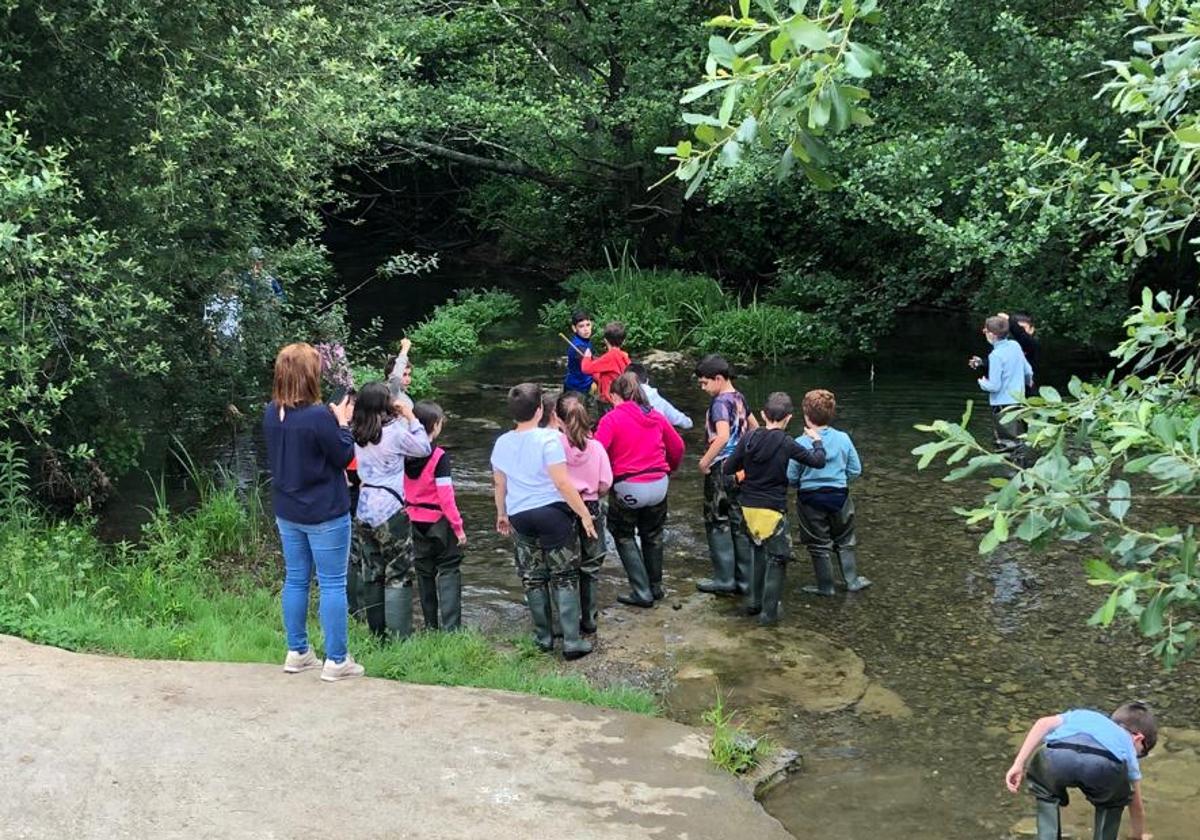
(765, 331)
(444, 336)
(481, 309)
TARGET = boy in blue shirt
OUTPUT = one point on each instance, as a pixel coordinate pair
(576, 379)
(1084, 749)
(823, 503)
(1007, 372)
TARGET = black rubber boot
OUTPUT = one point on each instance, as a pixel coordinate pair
(398, 611)
(449, 592)
(587, 604)
(640, 594)
(566, 595)
(823, 571)
(652, 555)
(428, 588)
(772, 591)
(754, 600)
(848, 560)
(354, 589)
(371, 606)
(720, 550)
(538, 601)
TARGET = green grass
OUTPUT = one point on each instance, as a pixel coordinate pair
(732, 748)
(674, 310)
(205, 586)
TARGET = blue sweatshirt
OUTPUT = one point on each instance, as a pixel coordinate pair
(576, 379)
(1008, 371)
(841, 462)
(307, 454)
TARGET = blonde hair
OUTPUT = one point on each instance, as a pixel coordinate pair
(576, 423)
(297, 376)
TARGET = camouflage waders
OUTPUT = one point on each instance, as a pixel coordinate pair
(542, 570)
(384, 555)
(591, 558)
(728, 542)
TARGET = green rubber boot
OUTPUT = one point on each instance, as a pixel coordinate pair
(449, 592)
(754, 599)
(823, 571)
(538, 601)
(652, 556)
(720, 550)
(566, 595)
(1107, 824)
(848, 560)
(587, 604)
(1049, 825)
(640, 594)
(772, 591)
(398, 611)
(743, 563)
(427, 586)
(371, 606)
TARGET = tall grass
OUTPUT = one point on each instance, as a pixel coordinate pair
(732, 748)
(674, 310)
(205, 586)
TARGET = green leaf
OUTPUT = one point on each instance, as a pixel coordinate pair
(694, 93)
(697, 179)
(744, 5)
(807, 35)
(989, 542)
(1104, 615)
(818, 111)
(727, 104)
(1151, 620)
(1050, 395)
(1188, 136)
(1118, 499)
(731, 153)
(684, 149)
(1100, 572)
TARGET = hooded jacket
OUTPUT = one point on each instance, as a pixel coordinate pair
(642, 444)
(588, 468)
(764, 455)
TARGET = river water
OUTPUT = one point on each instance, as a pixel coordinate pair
(966, 650)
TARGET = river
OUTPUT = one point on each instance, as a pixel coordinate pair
(969, 649)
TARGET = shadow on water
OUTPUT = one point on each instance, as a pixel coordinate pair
(965, 651)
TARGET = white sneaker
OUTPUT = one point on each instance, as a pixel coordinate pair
(347, 668)
(297, 662)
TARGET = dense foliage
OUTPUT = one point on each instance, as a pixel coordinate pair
(1120, 459)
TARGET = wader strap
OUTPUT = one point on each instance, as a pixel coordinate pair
(1082, 748)
(627, 476)
(391, 490)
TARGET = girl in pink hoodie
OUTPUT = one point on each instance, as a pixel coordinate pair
(644, 449)
(589, 470)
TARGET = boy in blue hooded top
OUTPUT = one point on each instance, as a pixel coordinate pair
(823, 503)
(1096, 754)
(1007, 372)
(581, 344)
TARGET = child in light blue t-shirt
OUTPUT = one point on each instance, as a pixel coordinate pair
(823, 505)
(1096, 754)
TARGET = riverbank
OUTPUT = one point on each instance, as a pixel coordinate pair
(216, 750)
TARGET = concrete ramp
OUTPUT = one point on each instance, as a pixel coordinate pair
(103, 747)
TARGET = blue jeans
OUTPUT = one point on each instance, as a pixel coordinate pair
(325, 546)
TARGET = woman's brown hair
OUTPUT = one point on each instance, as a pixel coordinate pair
(629, 389)
(573, 415)
(297, 376)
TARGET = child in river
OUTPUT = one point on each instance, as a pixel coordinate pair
(537, 503)
(823, 503)
(591, 473)
(728, 418)
(611, 364)
(1096, 754)
(399, 374)
(581, 344)
(438, 534)
(764, 455)
(657, 401)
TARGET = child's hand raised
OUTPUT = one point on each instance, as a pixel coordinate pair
(405, 346)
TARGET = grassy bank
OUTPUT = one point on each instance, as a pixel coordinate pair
(205, 586)
(678, 311)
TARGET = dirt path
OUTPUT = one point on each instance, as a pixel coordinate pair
(104, 747)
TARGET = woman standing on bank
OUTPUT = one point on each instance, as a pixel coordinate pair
(308, 448)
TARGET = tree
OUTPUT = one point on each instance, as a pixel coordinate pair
(1121, 462)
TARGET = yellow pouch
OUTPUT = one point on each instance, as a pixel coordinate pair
(761, 522)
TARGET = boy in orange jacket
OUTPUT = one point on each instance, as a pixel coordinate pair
(612, 364)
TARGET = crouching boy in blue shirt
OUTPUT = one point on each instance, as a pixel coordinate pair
(1084, 749)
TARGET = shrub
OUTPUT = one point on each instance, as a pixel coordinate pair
(765, 331)
(444, 336)
(732, 748)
